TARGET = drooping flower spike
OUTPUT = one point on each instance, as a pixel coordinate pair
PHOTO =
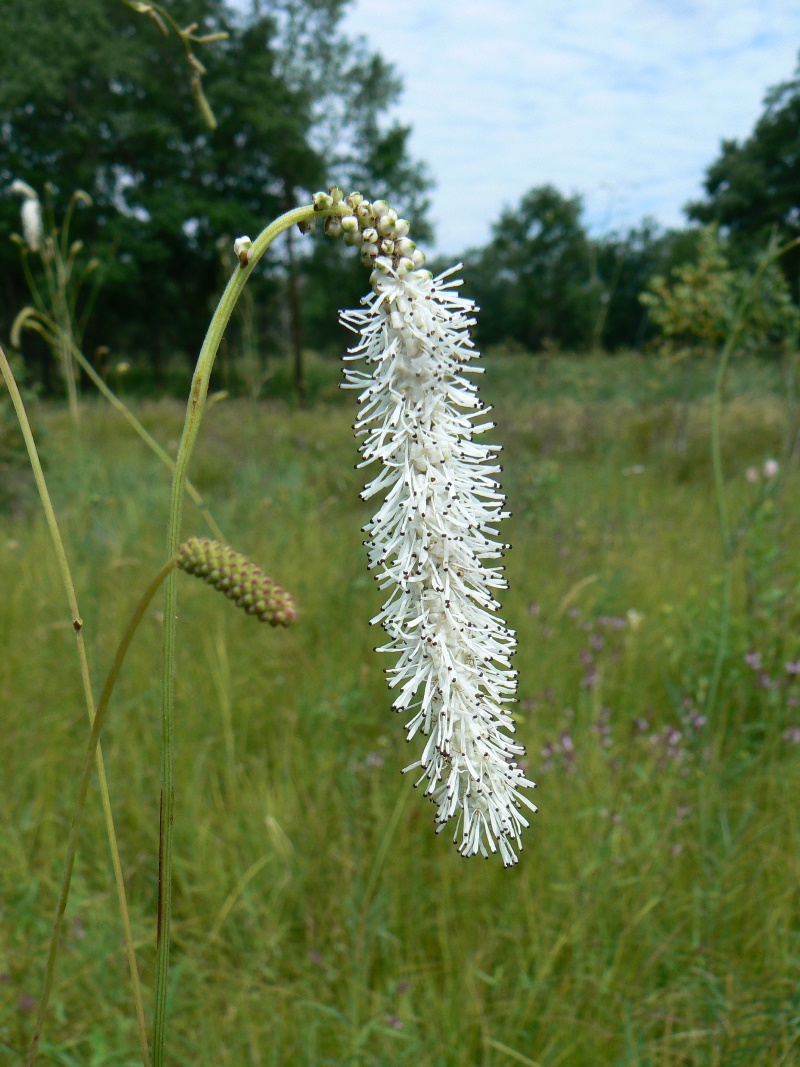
(433, 538)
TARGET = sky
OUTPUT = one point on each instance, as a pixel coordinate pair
(623, 102)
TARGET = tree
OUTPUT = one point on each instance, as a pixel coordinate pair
(704, 300)
(753, 187)
(534, 280)
(93, 97)
(625, 264)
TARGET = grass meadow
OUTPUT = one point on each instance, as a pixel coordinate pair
(654, 919)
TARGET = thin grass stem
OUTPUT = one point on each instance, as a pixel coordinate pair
(44, 326)
(148, 439)
(77, 624)
(91, 753)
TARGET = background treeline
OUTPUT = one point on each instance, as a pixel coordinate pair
(93, 97)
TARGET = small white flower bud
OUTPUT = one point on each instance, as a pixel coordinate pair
(381, 207)
(405, 266)
(401, 228)
(370, 235)
(383, 264)
(418, 258)
(355, 240)
(333, 226)
(349, 224)
(241, 249)
(405, 246)
(322, 201)
(364, 213)
(387, 246)
(387, 225)
(354, 199)
(423, 275)
(369, 249)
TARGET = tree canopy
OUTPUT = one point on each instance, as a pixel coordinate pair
(93, 97)
(753, 187)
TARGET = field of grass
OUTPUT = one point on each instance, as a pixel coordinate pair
(654, 919)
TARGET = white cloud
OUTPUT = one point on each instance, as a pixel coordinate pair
(625, 102)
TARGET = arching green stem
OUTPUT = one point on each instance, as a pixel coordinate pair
(194, 414)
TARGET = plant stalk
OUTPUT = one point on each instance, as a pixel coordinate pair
(194, 414)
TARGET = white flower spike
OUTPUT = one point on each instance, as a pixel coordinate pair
(32, 225)
(431, 539)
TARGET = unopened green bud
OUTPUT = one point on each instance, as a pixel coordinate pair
(404, 246)
(381, 207)
(354, 199)
(322, 201)
(387, 246)
(401, 228)
(405, 266)
(387, 224)
(336, 194)
(364, 213)
(240, 580)
(355, 240)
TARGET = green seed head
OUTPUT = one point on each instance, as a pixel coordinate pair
(240, 580)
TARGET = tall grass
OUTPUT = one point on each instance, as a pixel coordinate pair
(317, 919)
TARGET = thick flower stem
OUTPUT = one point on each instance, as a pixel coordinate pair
(194, 414)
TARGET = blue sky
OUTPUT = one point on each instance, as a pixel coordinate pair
(624, 102)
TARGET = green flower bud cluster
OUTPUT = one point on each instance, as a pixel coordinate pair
(374, 228)
(240, 580)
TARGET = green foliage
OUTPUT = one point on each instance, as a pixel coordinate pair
(694, 310)
(318, 917)
(753, 187)
(533, 280)
(705, 299)
(542, 283)
(96, 98)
